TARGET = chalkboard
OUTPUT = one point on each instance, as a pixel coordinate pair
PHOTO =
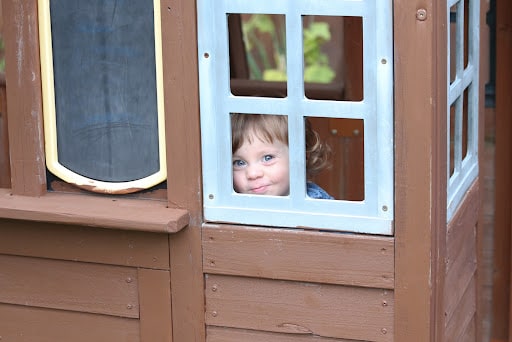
(104, 70)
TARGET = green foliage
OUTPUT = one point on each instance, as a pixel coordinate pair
(273, 68)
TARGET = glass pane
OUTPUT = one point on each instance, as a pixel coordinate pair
(333, 57)
(257, 54)
(343, 174)
(453, 43)
(260, 156)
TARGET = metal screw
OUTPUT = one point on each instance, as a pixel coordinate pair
(214, 313)
(384, 208)
(210, 196)
(214, 288)
(384, 331)
(129, 280)
(421, 14)
(129, 306)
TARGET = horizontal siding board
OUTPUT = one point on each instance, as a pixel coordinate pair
(28, 324)
(300, 308)
(78, 243)
(334, 258)
(219, 334)
(66, 285)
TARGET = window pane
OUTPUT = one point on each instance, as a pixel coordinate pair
(257, 55)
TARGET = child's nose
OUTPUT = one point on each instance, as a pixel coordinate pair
(254, 171)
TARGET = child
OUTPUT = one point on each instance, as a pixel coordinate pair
(260, 156)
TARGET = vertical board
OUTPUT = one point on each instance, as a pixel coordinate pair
(24, 102)
(155, 305)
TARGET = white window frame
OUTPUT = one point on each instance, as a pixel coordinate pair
(374, 214)
(465, 170)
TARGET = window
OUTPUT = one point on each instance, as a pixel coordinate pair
(102, 93)
(462, 111)
(285, 90)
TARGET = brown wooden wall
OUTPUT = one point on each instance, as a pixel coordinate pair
(268, 284)
(83, 268)
(71, 283)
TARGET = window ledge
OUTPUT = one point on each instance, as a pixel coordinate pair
(95, 211)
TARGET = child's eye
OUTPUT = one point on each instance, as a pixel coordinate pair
(238, 163)
(268, 158)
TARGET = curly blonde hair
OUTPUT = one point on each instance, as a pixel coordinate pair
(270, 128)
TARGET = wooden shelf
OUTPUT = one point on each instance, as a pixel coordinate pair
(94, 211)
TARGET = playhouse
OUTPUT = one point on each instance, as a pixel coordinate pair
(118, 216)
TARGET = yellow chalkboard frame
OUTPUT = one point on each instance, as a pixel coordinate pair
(49, 114)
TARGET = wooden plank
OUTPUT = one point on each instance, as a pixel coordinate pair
(27, 324)
(349, 259)
(94, 211)
(108, 290)
(458, 325)
(219, 334)
(77, 243)
(155, 305)
(300, 308)
(181, 101)
(24, 103)
(5, 163)
(502, 298)
(420, 167)
(460, 271)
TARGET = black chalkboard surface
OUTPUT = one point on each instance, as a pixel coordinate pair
(105, 88)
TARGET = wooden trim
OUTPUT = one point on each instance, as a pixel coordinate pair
(155, 305)
(502, 298)
(334, 258)
(21, 323)
(71, 286)
(5, 164)
(24, 103)
(181, 94)
(420, 167)
(86, 244)
(300, 308)
(95, 211)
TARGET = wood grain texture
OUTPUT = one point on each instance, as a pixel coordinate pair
(24, 102)
(155, 305)
(220, 334)
(95, 211)
(462, 322)
(88, 244)
(27, 324)
(81, 287)
(349, 259)
(502, 298)
(5, 162)
(420, 167)
(181, 97)
(300, 308)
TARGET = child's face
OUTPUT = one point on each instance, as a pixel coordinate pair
(261, 168)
